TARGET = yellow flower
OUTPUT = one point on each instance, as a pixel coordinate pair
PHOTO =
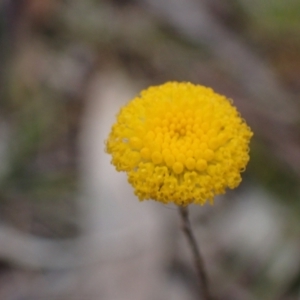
(180, 143)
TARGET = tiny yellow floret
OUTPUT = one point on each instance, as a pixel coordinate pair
(180, 143)
(135, 142)
(156, 157)
(201, 165)
(178, 167)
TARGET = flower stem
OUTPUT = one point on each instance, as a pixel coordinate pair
(187, 229)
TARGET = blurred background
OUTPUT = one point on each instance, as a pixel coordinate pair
(70, 226)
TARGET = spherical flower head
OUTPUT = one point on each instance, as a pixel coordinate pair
(180, 143)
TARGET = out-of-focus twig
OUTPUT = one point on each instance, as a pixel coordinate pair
(195, 23)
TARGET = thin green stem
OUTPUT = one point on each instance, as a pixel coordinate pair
(187, 229)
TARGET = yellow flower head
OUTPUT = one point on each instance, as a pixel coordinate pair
(180, 143)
